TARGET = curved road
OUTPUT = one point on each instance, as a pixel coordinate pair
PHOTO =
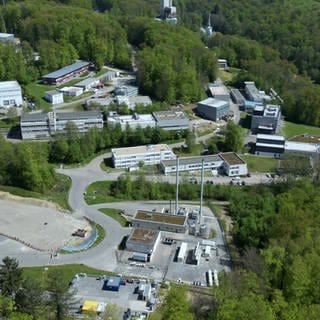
(103, 256)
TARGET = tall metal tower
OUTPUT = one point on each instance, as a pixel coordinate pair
(209, 27)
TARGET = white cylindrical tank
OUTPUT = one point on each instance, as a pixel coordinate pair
(209, 275)
(204, 231)
(192, 228)
(215, 278)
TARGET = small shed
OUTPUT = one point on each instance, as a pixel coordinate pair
(112, 284)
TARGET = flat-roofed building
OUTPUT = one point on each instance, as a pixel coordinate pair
(252, 92)
(9, 38)
(266, 119)
(133, 101)
(143, 241)
(44, 125)
(67, 73)
(223, 64)
(99, 101)
(302, 148)
(213, 109)
(88, 83)
(6, 37)
(237, 97)
(148, 155)
(233, 165)
(127, 91)
(171, 120)
(160, 221)
(54, 96)
(270, 145)
(72, 91)
(10, 94)
(133, 121)
(218, 91)
(210, 162)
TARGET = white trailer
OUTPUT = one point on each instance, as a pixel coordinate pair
(182, 252)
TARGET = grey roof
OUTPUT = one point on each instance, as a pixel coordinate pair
(53, 92)
(192, 160)
(78, 115)
(212, 103)
(33, 117)
(68, 69)
(86, 82)
(62, 115)
(169, 115)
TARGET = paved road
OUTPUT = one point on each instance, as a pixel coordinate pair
(102, 256)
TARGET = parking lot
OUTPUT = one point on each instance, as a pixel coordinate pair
(89, 287)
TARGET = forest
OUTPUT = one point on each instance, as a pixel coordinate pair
(173, 62)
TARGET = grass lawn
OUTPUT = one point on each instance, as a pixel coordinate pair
(99, 192)
(228, 75)
(58, 193)
(101, 236)
(115, 214)
(37, 91)
(67, 272)
(260, 164)
(196, 151)
(291, 129)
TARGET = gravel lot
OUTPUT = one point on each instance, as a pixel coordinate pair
(38, 227)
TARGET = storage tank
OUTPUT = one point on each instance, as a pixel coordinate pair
(209, 277)
(204, 231)
(192, 228)
(215, 278)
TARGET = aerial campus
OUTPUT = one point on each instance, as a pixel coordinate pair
(140, 245)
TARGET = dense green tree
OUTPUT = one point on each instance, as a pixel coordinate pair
(29, 299)
(233, 137)
(177, 305)
(60, 298)
(10, 277)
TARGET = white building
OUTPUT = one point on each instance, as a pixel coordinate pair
(210, 162)
(54, 96)
(270, 145)
(133, 121)
(10, 94)
(295, 147)
(223, 64)
(143, 241)
(150, 154)
(228, 163)
(44, 125)
(133, 101)
(72, 91)
(233, 165)
(88, 83)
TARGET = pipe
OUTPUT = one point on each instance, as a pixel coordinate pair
(201, 191)
(177, 185)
